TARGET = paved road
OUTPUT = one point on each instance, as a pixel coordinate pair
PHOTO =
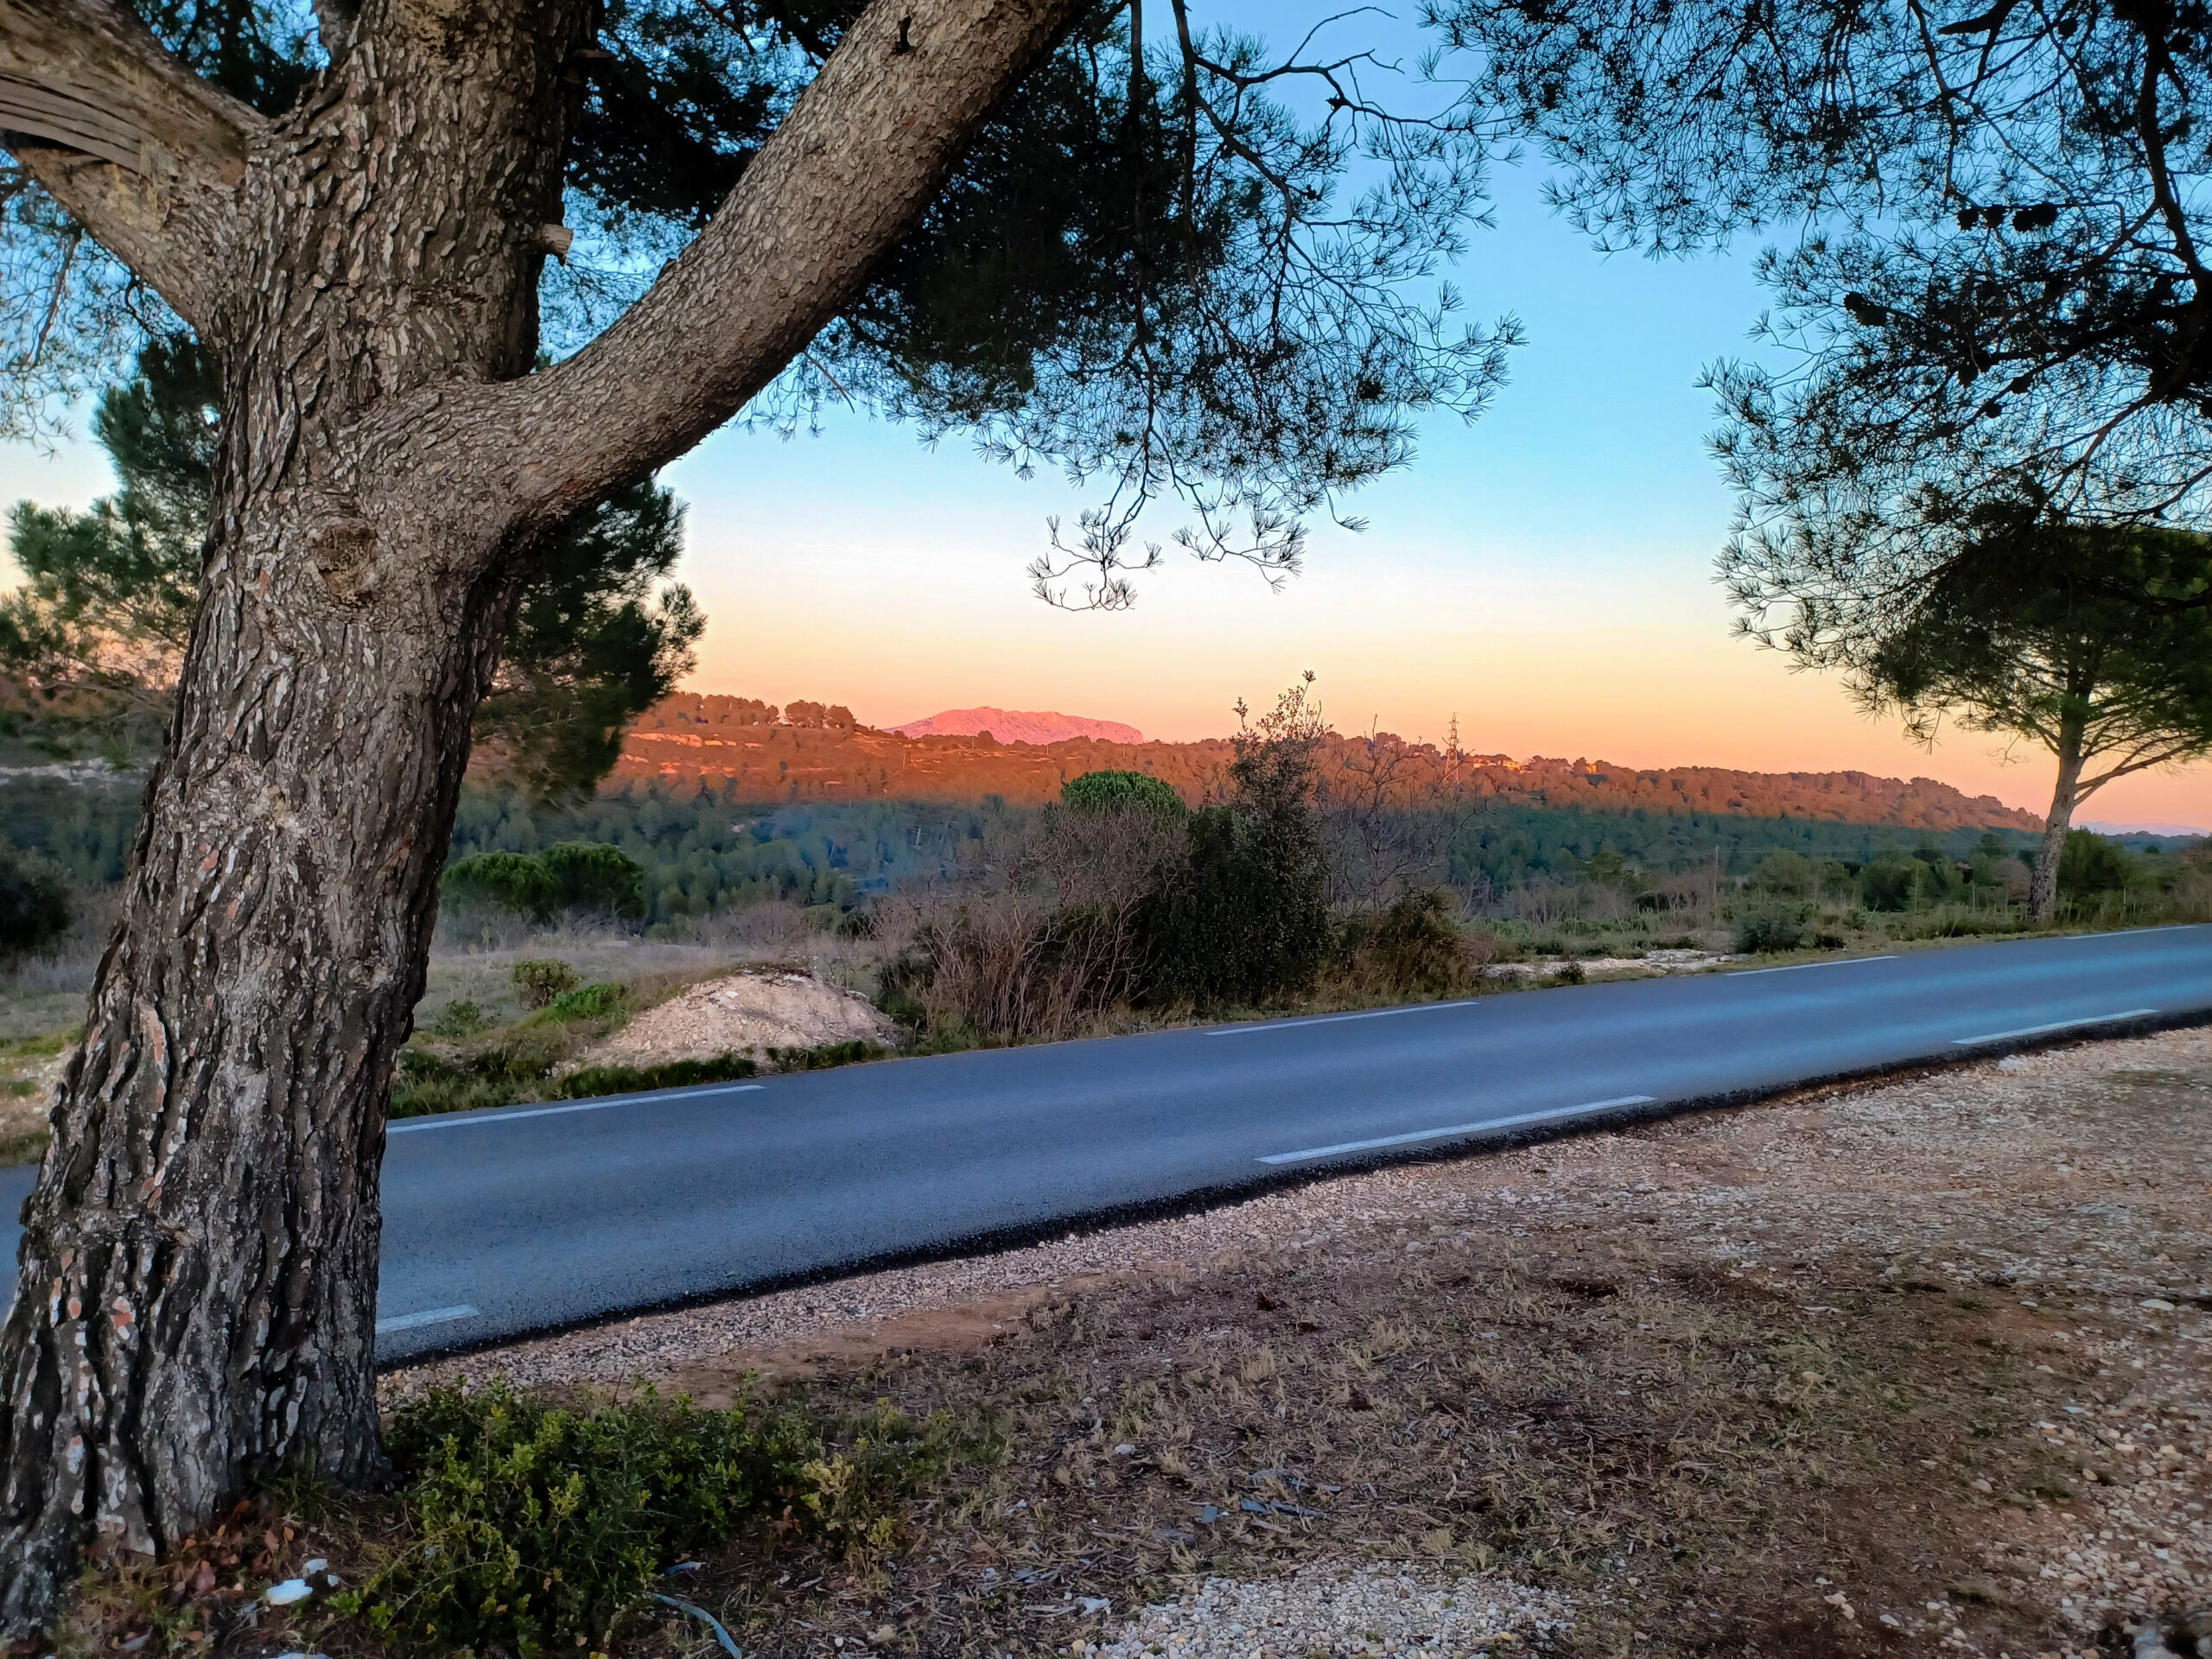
(497, 1223)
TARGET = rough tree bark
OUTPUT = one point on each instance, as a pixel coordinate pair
(2043, 883)
(196, 1295)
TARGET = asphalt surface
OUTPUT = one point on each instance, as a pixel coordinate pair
(500, 1223)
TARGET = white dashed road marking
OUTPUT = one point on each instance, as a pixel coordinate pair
(1456, 1129)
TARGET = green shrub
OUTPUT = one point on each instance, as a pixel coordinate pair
(37, 902)
(588, 1002)
(534, 1529)
(640, 1079)
(1770, 927)
(1112, 792)
(519, 1069)
(2089, 864)
(459, 1018)
(426, 1084)
(901, 987)
(1893, 883)
(1959, 922)
(524, 1053)
(1412, 948)
(1245, 919)
(537, 982)
(1786, 874)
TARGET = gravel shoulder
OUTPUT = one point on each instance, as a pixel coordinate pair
(1917, 1367)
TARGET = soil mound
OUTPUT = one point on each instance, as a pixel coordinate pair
(745, 1013)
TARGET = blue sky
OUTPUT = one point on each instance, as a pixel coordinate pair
(1544, 574)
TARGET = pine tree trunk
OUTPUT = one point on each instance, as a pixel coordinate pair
(198, 1272)
(2042, 886)
(195, 1301)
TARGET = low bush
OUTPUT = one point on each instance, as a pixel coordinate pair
(1959, 922)
(1785, 874)
(458, 1019)
(537, 982)
(591, 1080)
(588, 1002)
(536, 1530)
(426, 1084)
(1413, 949)
(522, 1053)
(1008, 968)
(1765, 928)
(519, 1067)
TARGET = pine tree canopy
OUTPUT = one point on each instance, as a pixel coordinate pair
(1161, 276)
(1995, 287)
(2095, 640)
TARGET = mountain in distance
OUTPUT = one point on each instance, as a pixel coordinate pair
(1018, 726)
(2144, 829)
(752, 752)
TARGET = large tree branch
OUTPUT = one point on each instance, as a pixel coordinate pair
(847, 175)
(140, 150)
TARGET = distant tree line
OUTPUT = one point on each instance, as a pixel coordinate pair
(700, 852)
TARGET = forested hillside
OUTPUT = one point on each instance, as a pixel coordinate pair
(814, 753)
(706, 851)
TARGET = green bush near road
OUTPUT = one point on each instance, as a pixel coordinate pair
(1764, 928)
(537, 982)
(536, 1529)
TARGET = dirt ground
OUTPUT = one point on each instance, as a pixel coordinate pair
(1916, 1368)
